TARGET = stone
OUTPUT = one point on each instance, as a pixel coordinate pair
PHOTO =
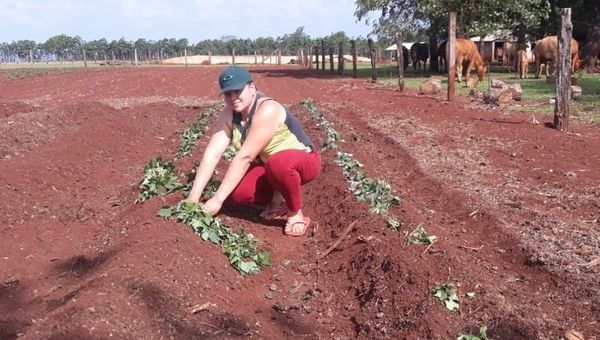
(431, 86)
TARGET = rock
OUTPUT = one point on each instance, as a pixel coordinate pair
(431, 86)
(498, 84)
(575, 92)
(273, 287)
(476, 94)
(516, 90)
(10, 282)
(279, 307)
(498, 96)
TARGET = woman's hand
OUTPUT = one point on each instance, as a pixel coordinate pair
(212, 206)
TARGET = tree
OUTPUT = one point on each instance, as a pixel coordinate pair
(474, 17)
(143, 48)
(64, 47)
(293, 42)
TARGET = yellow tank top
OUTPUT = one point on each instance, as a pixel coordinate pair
(288, 136)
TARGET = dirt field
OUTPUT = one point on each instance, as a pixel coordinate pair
(515, 207)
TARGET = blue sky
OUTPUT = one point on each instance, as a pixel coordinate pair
(195, 20)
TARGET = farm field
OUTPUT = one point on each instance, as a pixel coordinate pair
(513, 203)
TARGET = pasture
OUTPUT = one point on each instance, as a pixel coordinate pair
(497, 222)
(536, 92)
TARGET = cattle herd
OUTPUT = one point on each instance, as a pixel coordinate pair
(516, 56)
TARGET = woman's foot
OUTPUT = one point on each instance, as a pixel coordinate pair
(277, 209)
(296, 224)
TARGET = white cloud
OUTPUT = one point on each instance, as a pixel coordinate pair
(145, 9)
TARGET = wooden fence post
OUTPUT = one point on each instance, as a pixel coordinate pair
(233, 56)
(330, 59)
(209, 58)
(184, 56)
(563, 73)
(255, 58)
(323, 54)
(135, 56)
(316, 50)
(451, 54)
(353, 50)
(400, 60)
(341, 58)
(373, 63)
(84, 59)
(309, 54)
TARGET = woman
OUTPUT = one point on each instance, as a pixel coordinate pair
(274, 155)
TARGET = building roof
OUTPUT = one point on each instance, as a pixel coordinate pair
(405, 44)
(502, 35)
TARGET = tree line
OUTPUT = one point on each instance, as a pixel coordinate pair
(67, 48)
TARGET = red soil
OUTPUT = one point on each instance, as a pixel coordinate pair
(515, 207)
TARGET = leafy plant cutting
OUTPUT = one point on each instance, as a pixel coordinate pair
(240, 247)
(446, 292)
(420, 236)
(377, 192)
(482, 335)
(332, 135)
(159, 179)
(192, 133)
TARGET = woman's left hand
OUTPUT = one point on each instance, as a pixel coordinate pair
(212, 206)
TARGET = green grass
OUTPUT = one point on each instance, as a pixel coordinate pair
(536, 92)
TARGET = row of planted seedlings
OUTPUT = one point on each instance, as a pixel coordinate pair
(160, 178)
(379, 194)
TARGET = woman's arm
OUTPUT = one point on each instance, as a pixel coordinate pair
(264, 124)
(212, 155)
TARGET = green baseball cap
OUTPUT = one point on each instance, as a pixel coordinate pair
(234, 78)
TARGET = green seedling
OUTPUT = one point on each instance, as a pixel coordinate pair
(446, 292)
(420, 236)
(229, 153)
(195, 131)
(159, 179)
(394, 224)
(482, 335)
(332, 135)
(240, 247)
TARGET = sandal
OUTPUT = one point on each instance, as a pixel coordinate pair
(275, 214)
(289, 226)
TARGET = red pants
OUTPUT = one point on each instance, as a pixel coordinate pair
(285, 172)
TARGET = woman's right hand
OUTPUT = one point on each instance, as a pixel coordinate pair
(212, 206)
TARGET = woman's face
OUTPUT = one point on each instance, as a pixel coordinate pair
(240, 100)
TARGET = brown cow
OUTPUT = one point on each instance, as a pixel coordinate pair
(510, 54)
(522, 64)
(468, 55)
(546, 51)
